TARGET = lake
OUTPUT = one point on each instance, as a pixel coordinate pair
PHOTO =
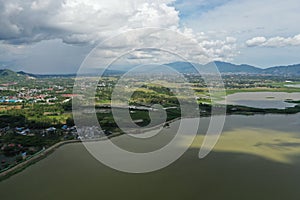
(257, 157)
(262, 99)
(293, 85)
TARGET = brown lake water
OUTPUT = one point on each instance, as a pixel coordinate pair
(257, 157)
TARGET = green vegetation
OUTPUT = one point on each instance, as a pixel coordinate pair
(9, 77)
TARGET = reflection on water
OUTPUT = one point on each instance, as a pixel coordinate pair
(255, 158)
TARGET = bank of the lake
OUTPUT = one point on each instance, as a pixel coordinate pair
(31, 160)
(43, 153)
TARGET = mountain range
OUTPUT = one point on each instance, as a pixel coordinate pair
(225, 68)
(7, 75)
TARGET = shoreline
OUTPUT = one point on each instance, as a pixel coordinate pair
(23, 165)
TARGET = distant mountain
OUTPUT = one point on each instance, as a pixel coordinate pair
(232, 68)
(182, 67)
(27, 74)
(290, 70)
(224, 67)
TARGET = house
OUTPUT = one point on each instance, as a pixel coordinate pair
(19, 129)
(24, 132)
(65, 127)
(24, 155)
(51, 129)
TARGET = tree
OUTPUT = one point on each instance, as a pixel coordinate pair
(70, 121)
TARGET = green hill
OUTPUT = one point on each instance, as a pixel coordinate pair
(9, 76)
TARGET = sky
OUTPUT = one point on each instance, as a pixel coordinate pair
(55, 36)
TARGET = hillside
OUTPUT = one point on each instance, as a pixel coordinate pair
(9, 76)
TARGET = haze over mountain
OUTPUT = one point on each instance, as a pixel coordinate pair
(182, 67)
(224, 67)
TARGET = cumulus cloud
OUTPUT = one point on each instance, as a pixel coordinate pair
(223, 50)
(274, 41)
(256, 41)
(243, 18)
(163, 46)
(91, 21)
(79, 21)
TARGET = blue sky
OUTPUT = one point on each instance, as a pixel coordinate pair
(44, 36)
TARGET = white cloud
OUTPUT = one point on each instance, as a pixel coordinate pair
(186, 43)
(256, 41)
(79, 21)
(274, 41)
(244, 19)
(91, 21)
